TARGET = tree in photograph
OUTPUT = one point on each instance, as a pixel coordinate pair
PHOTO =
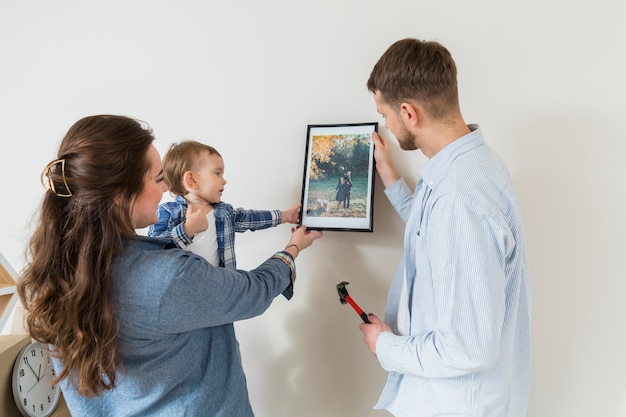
(336, 154)
(321, 154)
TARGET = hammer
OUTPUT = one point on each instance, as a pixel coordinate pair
(345, 298)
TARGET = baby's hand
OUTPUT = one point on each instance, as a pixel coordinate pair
(196, 221)
(292, 215)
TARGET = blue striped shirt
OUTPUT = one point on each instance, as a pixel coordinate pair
(464, 348)
(228, 221)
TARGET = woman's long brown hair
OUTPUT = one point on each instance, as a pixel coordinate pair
(65, 285)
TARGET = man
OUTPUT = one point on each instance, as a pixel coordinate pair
(456, 340)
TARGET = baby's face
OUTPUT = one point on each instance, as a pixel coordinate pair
(210, 178)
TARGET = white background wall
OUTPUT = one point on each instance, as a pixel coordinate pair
(545, 79)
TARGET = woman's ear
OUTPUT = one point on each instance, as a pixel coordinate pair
(189, 181)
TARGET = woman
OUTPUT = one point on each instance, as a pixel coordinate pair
(340, 190)
(138, 327)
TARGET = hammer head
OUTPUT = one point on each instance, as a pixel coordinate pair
(343, 293)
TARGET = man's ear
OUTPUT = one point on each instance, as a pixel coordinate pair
(411, 113)
(189, 181)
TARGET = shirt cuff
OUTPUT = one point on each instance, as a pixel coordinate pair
(385, 345)
(288, 260)
(181, 237)
(277, 216)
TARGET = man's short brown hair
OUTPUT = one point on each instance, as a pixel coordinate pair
(413, 70)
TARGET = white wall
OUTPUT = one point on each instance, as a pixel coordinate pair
(544, 78)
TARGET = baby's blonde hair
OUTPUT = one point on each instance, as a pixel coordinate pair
(180, 158)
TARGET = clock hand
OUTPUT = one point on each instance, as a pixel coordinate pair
(38, 377)
(31, 388)
(31, 368)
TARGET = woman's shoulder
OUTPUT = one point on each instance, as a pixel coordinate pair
(146, 261)
(151, 252)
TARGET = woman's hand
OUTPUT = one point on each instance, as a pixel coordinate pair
(301, 238)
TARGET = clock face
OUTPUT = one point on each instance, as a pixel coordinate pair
(32, 373)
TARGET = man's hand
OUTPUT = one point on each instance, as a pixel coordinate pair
(372, 330)
(382, 156)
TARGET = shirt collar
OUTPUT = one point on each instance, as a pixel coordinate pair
(437, 166)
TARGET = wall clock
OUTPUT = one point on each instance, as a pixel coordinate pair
(32, 373)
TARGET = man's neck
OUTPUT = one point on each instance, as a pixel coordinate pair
(441, 135)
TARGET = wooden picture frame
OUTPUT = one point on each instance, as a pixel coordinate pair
(338, 180)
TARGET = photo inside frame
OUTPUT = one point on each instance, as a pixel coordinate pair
(338, 180)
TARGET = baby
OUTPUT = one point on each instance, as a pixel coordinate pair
(198, 220)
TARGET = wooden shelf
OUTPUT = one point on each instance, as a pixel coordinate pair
(8, 290)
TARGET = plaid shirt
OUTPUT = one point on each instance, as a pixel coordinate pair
(228, 220)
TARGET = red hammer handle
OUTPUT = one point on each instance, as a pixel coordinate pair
(358, 309)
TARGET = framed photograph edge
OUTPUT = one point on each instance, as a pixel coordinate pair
(332, 223)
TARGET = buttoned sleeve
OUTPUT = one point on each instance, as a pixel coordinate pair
(400, 196)
(244, 220)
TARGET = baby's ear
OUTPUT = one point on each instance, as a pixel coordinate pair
(189, 181)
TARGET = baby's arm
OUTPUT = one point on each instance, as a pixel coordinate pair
(243, 220)
(195, 221)
(163, 226)
(170, 226)
(291, 215)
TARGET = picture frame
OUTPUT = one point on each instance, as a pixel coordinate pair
(338, 180)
